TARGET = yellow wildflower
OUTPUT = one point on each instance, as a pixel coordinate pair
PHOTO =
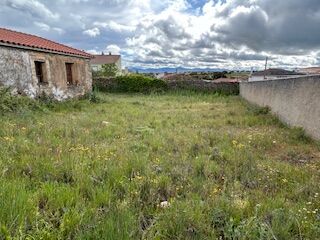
(8, 139)
(234, 143)
(139, 177)
(240, 146)
(215, 191)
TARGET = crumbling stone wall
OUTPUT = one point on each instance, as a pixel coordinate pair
(205, 86)
(194, 85)
(17, 71)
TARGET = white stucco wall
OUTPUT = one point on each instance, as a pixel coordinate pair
(296, 100)
(97, 67)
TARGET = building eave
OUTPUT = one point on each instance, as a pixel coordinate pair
(43, 50)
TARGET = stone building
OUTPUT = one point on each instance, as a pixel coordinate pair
(99, 60)
(32, 66)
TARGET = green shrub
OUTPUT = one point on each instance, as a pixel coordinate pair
(257, 110)
(10, 103)
(131, 83)
(21, 104)
(139, 83)
(92, 97)
(299, 134)
(107, 70)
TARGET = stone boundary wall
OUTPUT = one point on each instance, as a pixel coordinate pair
(205, 86)
(295, 101)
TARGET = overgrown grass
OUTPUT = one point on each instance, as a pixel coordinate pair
(10, 103)
(17, 104)
(169, 166)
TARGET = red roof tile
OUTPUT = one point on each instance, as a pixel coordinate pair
(310, 70)
(26, 40)
(226, 80)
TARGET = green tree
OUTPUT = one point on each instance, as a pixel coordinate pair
(109, 70)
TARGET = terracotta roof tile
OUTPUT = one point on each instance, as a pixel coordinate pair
(310, 70)
(27, 40)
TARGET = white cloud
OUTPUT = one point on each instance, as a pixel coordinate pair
(45, 27)
(114, 26)
(227, 34)
(94, 32)
(42, 26)
(93, 51)
(216, 33)
(58, 30)
(114, 49)
(33, 7)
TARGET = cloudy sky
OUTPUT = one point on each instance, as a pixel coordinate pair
(232, 34)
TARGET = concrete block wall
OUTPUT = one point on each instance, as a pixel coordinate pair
(295, 101)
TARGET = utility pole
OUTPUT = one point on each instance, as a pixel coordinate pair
(265, 68)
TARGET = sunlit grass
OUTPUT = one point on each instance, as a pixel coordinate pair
(171, 166)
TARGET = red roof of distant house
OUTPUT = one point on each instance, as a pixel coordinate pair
(226, 80)
(37, 43)
(310, 70)
(105, 59)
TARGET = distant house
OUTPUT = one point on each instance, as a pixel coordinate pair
(32, 66)
(99, 60)
(310, 70)
(273, 74)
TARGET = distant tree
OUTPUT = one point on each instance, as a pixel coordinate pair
(109, 70)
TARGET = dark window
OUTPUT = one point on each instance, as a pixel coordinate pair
(69, 73)
(39, 71)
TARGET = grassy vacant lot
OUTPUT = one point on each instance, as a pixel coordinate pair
(105, 170)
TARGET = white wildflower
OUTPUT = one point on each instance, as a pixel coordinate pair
(164, 204)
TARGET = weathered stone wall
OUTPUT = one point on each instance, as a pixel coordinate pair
(296, 101)
(194, 85)
(17, 71)
(206, 86)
